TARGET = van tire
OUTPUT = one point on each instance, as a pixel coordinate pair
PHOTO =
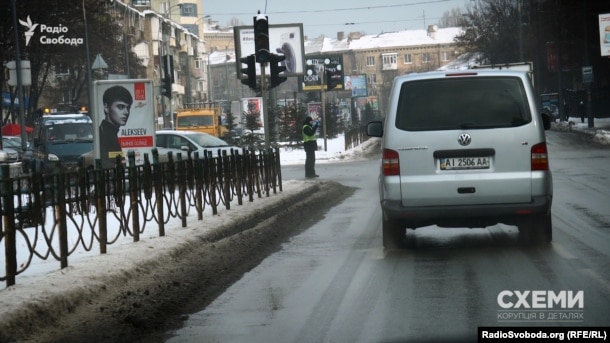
(538, 230)
(393, 234)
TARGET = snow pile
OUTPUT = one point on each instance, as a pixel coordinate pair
(600, 133)
(602, 137)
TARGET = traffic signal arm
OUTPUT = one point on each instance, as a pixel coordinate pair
(166, 86)
(249, 71)
(276, 69)
(331, 81)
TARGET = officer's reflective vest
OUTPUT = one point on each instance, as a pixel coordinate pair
(307, 138)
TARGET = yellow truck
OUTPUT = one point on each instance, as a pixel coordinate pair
(201, 117)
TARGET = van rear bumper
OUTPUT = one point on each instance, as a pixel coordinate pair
(465, 215)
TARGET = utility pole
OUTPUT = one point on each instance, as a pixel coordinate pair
(323, 97)
(19, 77)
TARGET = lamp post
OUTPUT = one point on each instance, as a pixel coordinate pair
(520, 32)
(19, 80)
(209, 79)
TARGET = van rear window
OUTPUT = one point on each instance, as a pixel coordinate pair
(462, 103)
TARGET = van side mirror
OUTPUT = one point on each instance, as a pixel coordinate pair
(374, 128)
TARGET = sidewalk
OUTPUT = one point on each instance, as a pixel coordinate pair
(600, 133)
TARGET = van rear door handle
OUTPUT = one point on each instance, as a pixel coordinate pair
(466, 190)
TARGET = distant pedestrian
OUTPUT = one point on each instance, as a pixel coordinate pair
(581, 111)
(311, 145)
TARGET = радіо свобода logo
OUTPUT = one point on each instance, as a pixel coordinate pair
(49, 34)
(30, 32)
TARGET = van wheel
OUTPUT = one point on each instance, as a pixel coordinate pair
(538, 230)
(393, 234)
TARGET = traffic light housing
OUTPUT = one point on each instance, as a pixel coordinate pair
(261, 38)
(168, 67)
(276, 69)
(332, 80)
(249, 71)
(166, 86)
(168, 77)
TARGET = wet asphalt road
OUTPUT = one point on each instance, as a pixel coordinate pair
(335, 283)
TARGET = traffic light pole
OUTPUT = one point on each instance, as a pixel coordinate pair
(323, 97)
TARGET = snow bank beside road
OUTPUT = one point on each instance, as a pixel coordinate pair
(135, 287)
(600, 133)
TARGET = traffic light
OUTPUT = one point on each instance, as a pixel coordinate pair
(276, 69)
(332, 79)
(168, 67)
(166, 86)
(249, 71)
(168, 77)
(261, 38)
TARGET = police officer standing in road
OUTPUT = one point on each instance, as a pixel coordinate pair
(311, 145)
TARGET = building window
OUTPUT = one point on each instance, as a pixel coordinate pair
(371, 79)
(389, 61)
(141, 2)
(370, 61)
(164, 7)
(444, 56)
(425, 57)
(408, 59)
(198, 63)
(188, 10)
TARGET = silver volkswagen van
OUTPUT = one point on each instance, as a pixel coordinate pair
(464, 149)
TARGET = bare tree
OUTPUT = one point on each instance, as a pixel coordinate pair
(491, 27)
(56, 51)
(452, 18)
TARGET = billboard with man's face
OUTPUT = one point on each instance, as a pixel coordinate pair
(604, 33)
(123, 119)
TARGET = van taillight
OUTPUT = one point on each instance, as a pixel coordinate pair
(540, 157)
(390, 163)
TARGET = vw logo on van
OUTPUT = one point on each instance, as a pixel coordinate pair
(464, 139)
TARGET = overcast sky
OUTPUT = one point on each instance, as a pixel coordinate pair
(328, 17)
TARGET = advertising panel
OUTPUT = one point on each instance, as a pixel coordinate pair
(254, 107)
(360, 108)
(314, 110)
(313, 80)
(604, 33)
(356, 84)
(124, 119)
(284, 39)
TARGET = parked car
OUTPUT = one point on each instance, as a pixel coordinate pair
(8, 155)
(88, 158)
(14, 142)
(464, 149)
(191, 142)
(59, 138)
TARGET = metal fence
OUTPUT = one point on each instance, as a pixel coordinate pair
(55, 213)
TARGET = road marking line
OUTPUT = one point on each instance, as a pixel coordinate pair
(563, 252)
